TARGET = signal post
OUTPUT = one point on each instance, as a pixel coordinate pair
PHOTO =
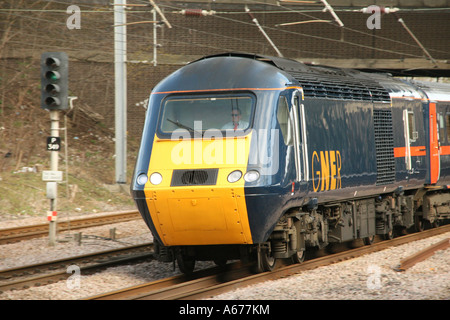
(54, 97)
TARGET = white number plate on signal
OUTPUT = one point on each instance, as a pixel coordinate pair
(52, 175)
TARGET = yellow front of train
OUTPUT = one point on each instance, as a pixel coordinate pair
(195, 188)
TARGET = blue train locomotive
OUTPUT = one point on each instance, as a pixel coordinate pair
(254, 157)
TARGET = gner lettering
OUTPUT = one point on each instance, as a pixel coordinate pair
(326, 170)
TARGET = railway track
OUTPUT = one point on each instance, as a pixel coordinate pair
(197, 287)
(53, 271)
(11, 235)
(423, 254)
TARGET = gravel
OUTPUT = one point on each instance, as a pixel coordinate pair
(371, 277)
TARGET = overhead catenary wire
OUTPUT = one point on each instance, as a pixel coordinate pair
(92, 21)
(286, 31)
(384, 38)
(298, 1)
(223, 15)
(290, 10)
(329, 39)
(385, 10)
(301, 22)
(137, 22)
(327, 8)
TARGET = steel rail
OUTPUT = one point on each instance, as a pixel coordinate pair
(422, 255)
(315, 263)
(162, 289)
(11, 235)
(44, 273)
(241, 276)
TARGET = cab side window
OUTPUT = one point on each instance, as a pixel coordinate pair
(285, 121)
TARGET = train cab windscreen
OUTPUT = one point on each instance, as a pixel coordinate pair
(226, 113)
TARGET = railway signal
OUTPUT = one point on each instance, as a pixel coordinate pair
(54, 80)
(54, 97)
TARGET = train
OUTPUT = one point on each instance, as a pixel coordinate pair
(259, 158)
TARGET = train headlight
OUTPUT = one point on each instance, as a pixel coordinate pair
(142, 179)
(251, 176)
(155, 178)
(234, 176)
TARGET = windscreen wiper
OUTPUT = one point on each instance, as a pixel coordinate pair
(180, 125)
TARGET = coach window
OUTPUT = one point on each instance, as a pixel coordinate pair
(447, 125)
(441, 127)
(284, 121)
(413, 134)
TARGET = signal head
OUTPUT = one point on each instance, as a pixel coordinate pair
(54, 81)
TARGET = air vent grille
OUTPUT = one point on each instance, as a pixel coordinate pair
(384, 145)
(205, 177)
(338, 87)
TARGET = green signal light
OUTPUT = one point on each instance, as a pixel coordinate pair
(52, 75)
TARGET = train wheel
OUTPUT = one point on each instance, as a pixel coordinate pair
(268, 261)
(186, 265)
(389, 235)
(299, 256)
(436, 224)
(419, 224)
(368, 240)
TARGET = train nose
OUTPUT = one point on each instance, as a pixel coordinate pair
(199, 199)
(200, 215)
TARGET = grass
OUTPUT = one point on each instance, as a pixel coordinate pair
(91, 174)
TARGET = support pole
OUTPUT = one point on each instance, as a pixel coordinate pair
(155, 41)
(400, 20)
(54, 157)
(120, 71)
(163, 17)
(255, 21)
(331, 10)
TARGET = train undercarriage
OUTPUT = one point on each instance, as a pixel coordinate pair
(320, 225)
